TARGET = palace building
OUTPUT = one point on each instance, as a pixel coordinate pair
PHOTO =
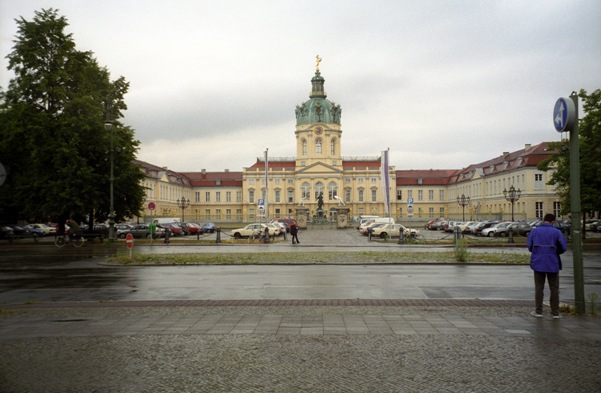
(320, 181)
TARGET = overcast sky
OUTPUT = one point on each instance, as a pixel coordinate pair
(443, 84)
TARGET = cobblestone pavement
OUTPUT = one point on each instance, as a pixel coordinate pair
(346, 345)
(340, 346)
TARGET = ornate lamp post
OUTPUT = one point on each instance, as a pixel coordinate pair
(183, 203)
(463, 201)
(512, 196)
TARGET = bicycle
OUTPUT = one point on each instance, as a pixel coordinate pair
(257, 236)
(76, 240)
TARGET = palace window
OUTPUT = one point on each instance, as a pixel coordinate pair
(318, 189)
(318, 147)
(332, 190)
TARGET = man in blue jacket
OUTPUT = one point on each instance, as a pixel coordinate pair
(546, 243)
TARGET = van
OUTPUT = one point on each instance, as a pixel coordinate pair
(365, 219)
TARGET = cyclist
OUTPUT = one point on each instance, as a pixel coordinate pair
(74, 229)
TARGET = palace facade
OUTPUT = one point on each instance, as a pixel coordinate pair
(277, 187)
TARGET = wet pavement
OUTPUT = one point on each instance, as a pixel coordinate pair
(237, 343)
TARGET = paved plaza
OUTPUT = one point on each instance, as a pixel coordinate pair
(310, 345)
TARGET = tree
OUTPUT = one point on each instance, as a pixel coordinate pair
(52, 137)
(590, 158)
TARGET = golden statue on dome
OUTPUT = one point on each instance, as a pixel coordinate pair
(317, 61)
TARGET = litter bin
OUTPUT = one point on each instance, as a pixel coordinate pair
(218, 231)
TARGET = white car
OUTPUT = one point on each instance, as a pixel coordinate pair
(252, 228)
(393, 230)
(48, 230)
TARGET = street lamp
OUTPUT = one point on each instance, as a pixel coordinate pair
(108, 125)
(512, 196)
(183, 204)
(463, 201)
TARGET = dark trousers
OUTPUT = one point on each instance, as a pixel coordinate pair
(295, 238)
(539, 289)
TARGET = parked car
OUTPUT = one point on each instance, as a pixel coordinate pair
(463, 227)
(194, 228)
(281, 226)
(121, 230)
(497, 229)
(173, 229)
(35, 231)
(520, 228)
(432, 222)
(48, 230)
(438, 226)
(19, 229)
(393, 230)
(371, 227)
(471, 229)
(251, 228)
(6, 231)
(482, 226)
(140, 231)
(208, 227)
(286, 221)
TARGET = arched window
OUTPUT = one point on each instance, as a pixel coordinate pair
(304, 147)
(305, 191)
(332, 190)
(318, 189)
(333, 146)
(318, 146)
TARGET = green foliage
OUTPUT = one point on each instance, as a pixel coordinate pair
(52, 137)
(590, 158)
(461, 251)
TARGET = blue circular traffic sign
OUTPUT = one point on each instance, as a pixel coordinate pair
(564, 115)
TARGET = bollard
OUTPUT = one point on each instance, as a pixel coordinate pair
(510, 235)
(218, 231)
(401, 236)
(167, 234)
(266, 235)
(369, 234)
(457, 233)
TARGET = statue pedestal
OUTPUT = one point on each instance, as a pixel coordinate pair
(302, 216)
(342, 217)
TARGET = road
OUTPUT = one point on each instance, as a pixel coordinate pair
(43, 274)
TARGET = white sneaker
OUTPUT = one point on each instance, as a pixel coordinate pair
(535, 314)
(556, 316)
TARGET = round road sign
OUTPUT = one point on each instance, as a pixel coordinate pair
(129, 240)
(151, 206)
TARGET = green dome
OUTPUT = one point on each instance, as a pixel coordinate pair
(317, 109)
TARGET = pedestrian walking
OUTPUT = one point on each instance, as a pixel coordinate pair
(546, 243)
(294, 233)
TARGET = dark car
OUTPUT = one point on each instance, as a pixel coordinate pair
(19, 229)
(208, 227)
(141, 231)
(520, 228)
(6, 231)
(121, 230)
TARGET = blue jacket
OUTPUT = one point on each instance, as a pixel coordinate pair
(546, 243)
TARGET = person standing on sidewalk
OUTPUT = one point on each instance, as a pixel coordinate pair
(294, 233)
(546, 243)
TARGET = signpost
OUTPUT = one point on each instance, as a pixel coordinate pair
(565, 119)
(410, 212)
(129, 242)
(261, 206)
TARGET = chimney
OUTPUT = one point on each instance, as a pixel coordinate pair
(527, 146)
(227, 170)
(203, 170)
(505, 153)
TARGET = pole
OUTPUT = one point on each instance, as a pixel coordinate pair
(111, 193)
(576, 211)
(266, 185)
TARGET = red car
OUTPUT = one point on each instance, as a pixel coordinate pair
(174, 229)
